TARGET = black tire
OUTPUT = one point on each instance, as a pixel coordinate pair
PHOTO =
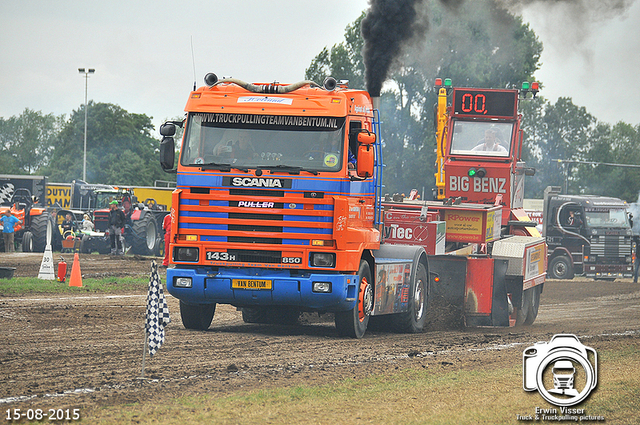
(27, 242)
(145, 235)
(197, 316)
(528, 311)
(273, 315)
(254, 314)
(414, 319)
(560, 268)
(534, 307)
(353, 323)
(41, 226)
(522, 311)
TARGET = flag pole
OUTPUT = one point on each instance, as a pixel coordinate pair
(144, 350)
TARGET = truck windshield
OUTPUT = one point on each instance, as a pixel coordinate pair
(481, 138)
(616, 217)
(251, 141)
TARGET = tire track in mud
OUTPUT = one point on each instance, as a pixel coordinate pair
(87, 350)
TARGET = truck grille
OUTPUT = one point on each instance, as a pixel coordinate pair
(252, 216)
(611, 246)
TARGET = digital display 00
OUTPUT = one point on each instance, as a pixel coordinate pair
(482, 102)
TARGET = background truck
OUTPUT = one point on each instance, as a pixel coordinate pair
(25, 197)
(271, 215)
(588, 235)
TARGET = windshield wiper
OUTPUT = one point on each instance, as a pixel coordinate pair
(289, 169)
(214, 166)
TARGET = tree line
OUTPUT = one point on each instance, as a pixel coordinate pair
(484, 45)
(481, 45)
(120, 146)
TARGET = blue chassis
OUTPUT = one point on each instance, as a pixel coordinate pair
(289, 288)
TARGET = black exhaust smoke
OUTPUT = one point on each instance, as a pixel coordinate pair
(388, 26)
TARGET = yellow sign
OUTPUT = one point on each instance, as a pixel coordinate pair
(250, 284)
(535, 264)
(463, 225)
(59, 193)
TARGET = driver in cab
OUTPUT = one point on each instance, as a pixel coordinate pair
(490, 143)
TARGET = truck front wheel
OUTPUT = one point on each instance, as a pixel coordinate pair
(197, 316)
(353, 323)
(560, 268)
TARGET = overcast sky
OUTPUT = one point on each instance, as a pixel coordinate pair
(141, 51)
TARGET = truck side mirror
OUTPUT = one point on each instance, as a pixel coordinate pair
(167, 153)
(168, 129)
(365, 160)
(366, 138)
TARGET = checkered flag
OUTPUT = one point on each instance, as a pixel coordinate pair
(157, 311)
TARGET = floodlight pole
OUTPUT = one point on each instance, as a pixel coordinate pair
(86, 73)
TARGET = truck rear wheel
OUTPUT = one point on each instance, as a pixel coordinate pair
(254, 315)
(272, 315)
(414, 319)
(354, 322)
(197, 316)
(145, 235)
(560, 268)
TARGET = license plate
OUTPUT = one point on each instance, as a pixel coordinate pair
(250, 284)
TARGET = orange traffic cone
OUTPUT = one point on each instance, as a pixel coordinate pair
(76, 276)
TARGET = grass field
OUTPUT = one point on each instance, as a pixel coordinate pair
(478, 395)
(32, 286)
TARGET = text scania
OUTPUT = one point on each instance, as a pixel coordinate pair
(484, 184)
(256, 182)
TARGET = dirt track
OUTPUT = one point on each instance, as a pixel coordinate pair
(86, 350)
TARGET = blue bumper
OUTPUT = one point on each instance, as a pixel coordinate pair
(288, 288)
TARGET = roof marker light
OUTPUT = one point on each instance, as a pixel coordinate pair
(447, 82)
(525, 85)
(438, 82)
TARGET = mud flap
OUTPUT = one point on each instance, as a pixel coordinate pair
(447, 276)
(480, 297)
(500, 305)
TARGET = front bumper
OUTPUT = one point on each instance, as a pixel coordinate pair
(288, 288)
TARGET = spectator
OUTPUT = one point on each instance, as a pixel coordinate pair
(87, 224)
(116, 225)
(9, 222)
(68, 226)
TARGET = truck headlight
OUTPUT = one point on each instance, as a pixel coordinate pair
(182, 282)
(183, 253)
(323, 287)
(323, 259)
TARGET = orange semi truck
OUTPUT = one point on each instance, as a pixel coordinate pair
(278, 210)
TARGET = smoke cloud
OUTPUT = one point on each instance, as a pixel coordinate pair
(389, 24)
(391, 27)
